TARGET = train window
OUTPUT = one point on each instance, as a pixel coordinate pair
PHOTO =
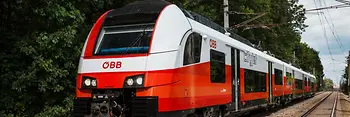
(278, 77)
(127, 40)
(309, 81)
(217, 67)
(254, 81)
(289, 78)
(192, 53)
(305, 80)
(298, 84)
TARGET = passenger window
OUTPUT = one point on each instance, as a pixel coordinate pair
(254, 81)
(278, 77)
(298, 84)
(305, 80)
(192, 53)
(217, 67)
(289, 78)
(309, 81)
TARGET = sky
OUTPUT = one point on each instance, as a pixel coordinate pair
(332, 54)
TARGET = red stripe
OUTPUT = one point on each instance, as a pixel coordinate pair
(181, 103)
(298, 91)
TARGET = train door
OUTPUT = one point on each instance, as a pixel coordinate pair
(270, 81)
(235, 67)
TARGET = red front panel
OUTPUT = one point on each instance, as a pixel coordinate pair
(177, 89)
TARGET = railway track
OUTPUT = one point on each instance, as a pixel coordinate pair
(325, 107)
(263, 112)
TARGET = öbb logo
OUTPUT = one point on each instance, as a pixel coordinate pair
(112, 65)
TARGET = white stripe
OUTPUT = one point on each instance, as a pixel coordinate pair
(127, 64)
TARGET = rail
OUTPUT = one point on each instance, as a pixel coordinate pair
(334, 106)
(305, 114)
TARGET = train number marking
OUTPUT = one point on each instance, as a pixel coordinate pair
(212, 43)
(112, 64)
(250, 58)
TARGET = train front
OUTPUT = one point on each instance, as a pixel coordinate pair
(126, 64)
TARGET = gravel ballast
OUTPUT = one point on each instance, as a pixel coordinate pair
(299, 108)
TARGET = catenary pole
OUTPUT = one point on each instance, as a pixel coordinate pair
(226, 15)
(348, 86)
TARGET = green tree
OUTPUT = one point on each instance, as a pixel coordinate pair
(328, 84)
(344, 84)
(39, 56)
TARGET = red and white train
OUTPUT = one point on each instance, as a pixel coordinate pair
(152, 58)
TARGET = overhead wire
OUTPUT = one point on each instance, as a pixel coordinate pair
(334, 34)
(325, 34)
(335, 7)
(340, 61)
(333, 30)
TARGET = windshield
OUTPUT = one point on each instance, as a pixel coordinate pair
(131, 41)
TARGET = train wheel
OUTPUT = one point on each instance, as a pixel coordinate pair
(210, 112)
(219, 113)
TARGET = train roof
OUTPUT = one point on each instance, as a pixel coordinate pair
(149, 10)
(137, 12)
(209, 23)
(233, 41)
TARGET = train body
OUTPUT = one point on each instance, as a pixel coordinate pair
(156, 59)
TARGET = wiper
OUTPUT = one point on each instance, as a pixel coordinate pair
(137, 40)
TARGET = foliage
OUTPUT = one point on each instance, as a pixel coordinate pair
(345, 77)
(328, 84)
(41, 41)
(36, 38)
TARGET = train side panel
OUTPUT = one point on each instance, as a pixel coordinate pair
(253, 79)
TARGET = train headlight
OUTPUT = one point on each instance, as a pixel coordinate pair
(134, 81)
(130, 81)
(139, 80)
(89, 82)
(93, 83)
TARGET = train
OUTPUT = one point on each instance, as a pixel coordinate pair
(155, 59)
